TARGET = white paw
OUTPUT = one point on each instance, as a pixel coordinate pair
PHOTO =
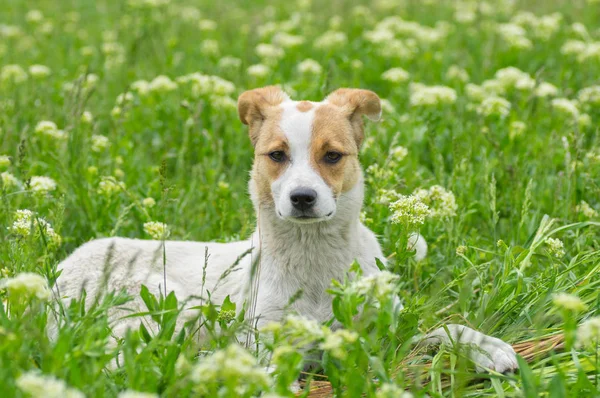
(494, 354)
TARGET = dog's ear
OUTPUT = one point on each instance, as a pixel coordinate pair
(252, 104)
(253, 107)
(357, 102)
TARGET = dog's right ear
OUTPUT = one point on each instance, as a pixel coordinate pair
(253, 106)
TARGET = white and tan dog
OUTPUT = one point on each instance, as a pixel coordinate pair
(307, 190)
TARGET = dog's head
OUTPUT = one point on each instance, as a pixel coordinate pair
(306, 153)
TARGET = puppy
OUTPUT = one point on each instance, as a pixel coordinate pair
(307, 190)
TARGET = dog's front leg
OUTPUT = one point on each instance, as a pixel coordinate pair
(488, 353)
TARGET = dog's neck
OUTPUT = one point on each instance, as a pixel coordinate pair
(299, 247)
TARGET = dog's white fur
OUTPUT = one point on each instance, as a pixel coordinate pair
(293, 255)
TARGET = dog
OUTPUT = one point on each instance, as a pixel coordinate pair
(307, 190)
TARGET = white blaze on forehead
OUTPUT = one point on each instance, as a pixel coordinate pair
(297, 128)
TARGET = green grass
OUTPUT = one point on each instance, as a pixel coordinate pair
(187, 149)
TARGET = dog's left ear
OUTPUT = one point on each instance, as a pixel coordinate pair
(357, 102)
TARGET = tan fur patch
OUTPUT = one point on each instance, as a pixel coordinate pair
(333, 131)
(304, 106)
(255, 105)
(270, 138)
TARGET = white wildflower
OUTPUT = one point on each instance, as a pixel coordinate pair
(42, 184)
(99, 143)
(157, 230)
(230, 63)
(331, 40)
(589, 96)
(310, 66)
(398, 153)
(395, 75)
(108, 186)
(336, 343)
(545, 89)
(142, 87)
(39, 385)
(39, 71)
(515, 36)
(456, 73)
(555, 247)
(461, 250)
(34, 16)
(259, 70)
(13, 73)
(568, 302)
(588, 333)
(512, 77)
(230, 366)
(26, 222)
(286, 40)
(440, 201)
(86, 117)
(27, 284)
(9, 181)
(409, 210)
(269, 52)
(494, 106)
(210, 47)
(49, 129)
(207, 25)
(390, 390)
(422, 95)
(381, 285)
(566, 106)
(588, 211)
(516, 129)
(148, 202)
(573, 47)
(162, 84)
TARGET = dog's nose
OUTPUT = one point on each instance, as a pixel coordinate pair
(303, 198)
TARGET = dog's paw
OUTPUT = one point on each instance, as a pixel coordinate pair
(494, 354)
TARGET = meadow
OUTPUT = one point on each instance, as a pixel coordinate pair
(118, 118)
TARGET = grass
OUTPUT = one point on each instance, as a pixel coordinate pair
(518, 177)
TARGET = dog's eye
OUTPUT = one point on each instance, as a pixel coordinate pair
(332, 157)
(277, 156)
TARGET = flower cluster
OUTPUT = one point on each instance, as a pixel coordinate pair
(26, 222)
(423, 96)
(440, 201)
(27, 285)
(568, 302)
(409, 211)
(157, 230)
(556, 247)
(39, 385)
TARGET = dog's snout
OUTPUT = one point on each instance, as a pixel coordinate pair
(303, 198)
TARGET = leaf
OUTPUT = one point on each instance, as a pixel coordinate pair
(556, 387)
(528, 379)
(228, 305)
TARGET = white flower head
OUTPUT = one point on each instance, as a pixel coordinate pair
(566, 107)
(396, 75)
(39, 71)
(42, 184)
(588, 333)
(568, 302)
(28, 285)
(162, 84)
(13, 73)
(25, 222)
(409, 210)
(555, 247)
(331, 40)
(109, 186)
(9, 181)
(423, 96)
(310, 66)
(494, 106)
(50, 130)
(440, 201)
(259, 70)
(157, 230)
(588, 211)
(99, 143)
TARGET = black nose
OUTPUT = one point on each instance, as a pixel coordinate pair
(303, 198)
